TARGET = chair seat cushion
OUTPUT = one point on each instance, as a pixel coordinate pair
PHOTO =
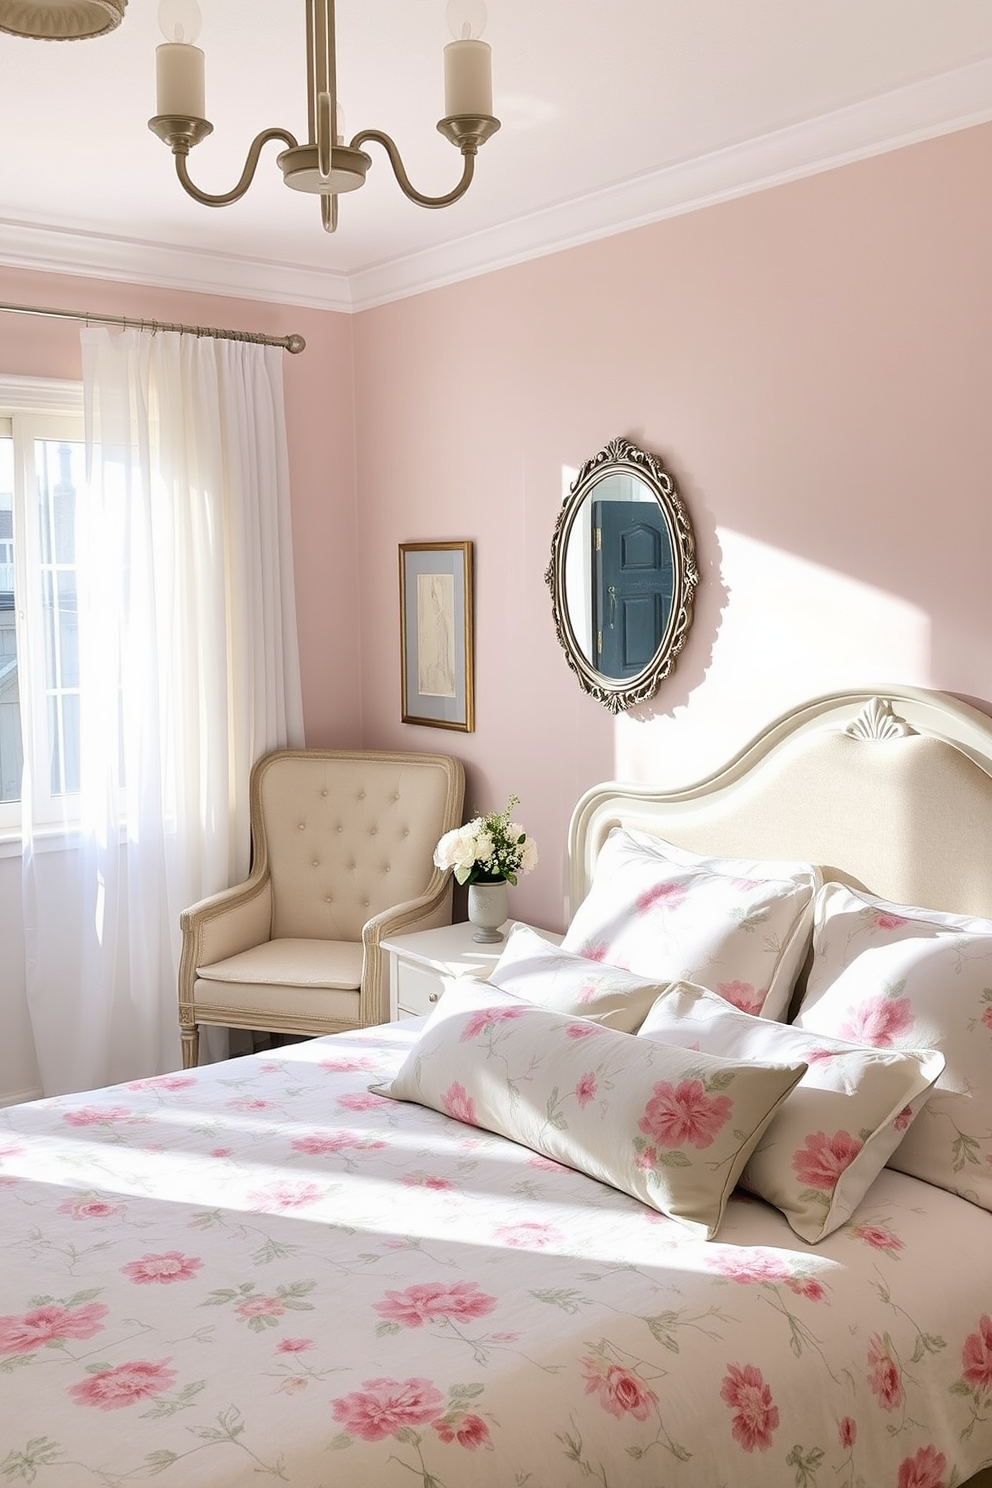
(332, 964)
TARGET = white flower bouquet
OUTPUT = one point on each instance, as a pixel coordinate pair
(488, 849)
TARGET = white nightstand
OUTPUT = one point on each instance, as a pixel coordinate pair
(419, 963)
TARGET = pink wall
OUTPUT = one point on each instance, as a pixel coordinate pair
(320, 421)
(814, 365)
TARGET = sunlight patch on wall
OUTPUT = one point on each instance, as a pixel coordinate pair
(771, 629)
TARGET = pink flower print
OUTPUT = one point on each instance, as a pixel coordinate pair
(976, 1356)
(822, 1056)
(743, 995)
(823, 1159)
(878, 1021)
(877, 1237)
(987, 1016)
(682, 1113)
(362, 1100)
(884, 919)
(903, 1119)
(171, 1265)
(459, 1104)
(755, 1417)
(220, 1151)
(925, 1470)
(319, 1143)
(294, 1345)
(580, 1030)
(585, 1090)
(383, 1407)
(111, 1389)
(751, 1265)
(883, 1375)
(620, 1391)
(466, 1428)
(528, 1236)
(806, 1286)
(285, 1196)
(487, 1018)
(90, 1208)
(249, 1103)
(266, 1309)
(345, 1065)
(594, 950)
(163, 1082)
(429, 1301)
(436, 1185)
(669, 895)
(30, 1330)
(94, 1115)
(546, 1164)
(847, 1433)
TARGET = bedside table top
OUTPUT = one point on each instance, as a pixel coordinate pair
(450, 949)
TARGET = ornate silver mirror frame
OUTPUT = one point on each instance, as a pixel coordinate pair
(622, 575)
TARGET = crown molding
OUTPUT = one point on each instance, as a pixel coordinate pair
(940, 105)
(56, 250)
(923, 110)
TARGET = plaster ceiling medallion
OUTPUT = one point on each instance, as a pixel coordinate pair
(60, 20)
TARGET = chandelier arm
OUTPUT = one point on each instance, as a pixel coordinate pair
(224, 199)
(403, 180)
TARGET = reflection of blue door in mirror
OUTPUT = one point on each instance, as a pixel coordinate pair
(633, 584)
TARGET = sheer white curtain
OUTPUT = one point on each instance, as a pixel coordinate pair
(188, 671)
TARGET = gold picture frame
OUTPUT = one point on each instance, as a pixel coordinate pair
(436, 634)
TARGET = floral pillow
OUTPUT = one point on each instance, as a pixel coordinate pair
(832, 1136)
(672, 1128)
(898, 977)
(737, 926)
(532, 968)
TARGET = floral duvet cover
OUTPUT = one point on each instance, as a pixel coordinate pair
(262, 1272)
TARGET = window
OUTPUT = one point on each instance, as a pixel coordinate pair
(41, 475)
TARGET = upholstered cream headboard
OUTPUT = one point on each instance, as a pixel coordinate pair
(889, 789)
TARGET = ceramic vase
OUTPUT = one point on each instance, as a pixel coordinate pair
(487, 910)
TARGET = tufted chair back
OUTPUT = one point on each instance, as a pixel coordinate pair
(342, 857)
(345, 836)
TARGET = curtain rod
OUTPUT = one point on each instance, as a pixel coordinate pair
(293, 344)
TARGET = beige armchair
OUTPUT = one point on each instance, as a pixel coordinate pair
(342, 856)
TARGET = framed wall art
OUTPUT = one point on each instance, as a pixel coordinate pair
(436, 634)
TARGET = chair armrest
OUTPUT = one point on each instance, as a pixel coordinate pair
(426, 912)
(221, 925)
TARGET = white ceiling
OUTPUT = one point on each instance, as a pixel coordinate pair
(614, 112)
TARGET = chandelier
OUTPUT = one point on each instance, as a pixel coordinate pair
(325, 165)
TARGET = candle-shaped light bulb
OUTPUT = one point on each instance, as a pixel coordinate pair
(468, 69)
(178, 63)
(466, 19)
(180, 21)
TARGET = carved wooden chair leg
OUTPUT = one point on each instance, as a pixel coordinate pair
(190, 1040)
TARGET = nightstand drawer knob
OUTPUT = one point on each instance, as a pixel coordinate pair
(433, 996)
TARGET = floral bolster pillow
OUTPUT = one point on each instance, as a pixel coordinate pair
(835, 1132)
(738, 926)
(896, 976)
(532, 968)
(670, 1127)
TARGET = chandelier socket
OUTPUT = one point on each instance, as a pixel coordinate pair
(468, 131)
(180, 132)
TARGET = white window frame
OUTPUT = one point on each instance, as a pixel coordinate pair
(47, 409)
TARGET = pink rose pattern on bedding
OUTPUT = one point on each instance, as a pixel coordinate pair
(264, 1274)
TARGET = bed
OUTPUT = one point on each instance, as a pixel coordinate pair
(289, 1269)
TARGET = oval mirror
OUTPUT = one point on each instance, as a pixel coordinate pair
(622, 575)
